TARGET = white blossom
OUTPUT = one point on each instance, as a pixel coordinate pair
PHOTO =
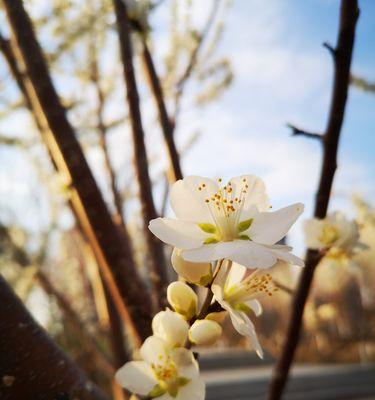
(238, 294)
(164, 373)
(231, 222)
(334, 231)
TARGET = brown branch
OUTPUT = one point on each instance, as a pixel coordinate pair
(194, 57)
(300, 132)
(283, 287)
(165, 122)
(155, 247)
(34, 367)
(89, 340)
(112, 251)
(342, 59)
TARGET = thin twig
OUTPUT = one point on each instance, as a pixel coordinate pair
(194, 58)
(300, 132)
(342, 59)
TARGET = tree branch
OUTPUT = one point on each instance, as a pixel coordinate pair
(331, 49)
(109, 246)
(155, 247)
(300, 132)
(166, 124)
(36, 367)
(343, 55)
(194, 57)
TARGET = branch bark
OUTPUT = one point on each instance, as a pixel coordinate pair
(35, 368)
(127, 289)
(165, 122)
(342, 57)
(155, 247)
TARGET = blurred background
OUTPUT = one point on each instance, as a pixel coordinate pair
(234, 74)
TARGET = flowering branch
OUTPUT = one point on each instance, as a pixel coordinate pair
(342, 56)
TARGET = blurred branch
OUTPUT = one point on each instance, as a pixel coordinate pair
(342, 56)
(166, 124)
(155, 247)
(194, 57)
(107, 242)
(283, 287)
(299, 132)
(22, 258)
(37, 367)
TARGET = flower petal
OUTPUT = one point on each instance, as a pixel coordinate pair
(245, 327)
(137, 377)
(270, 227)
(188, 202)
(255, 193)
(286, 255)
(171, 327)
(153, 348)
(205, 253)
(255, 306)
(195, 389)
(181, 234)
(236, 274)
(246, 253)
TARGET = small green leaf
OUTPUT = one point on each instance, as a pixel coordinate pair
(210, 240)
(242, 307)
(208, 228)
(244, 225)
(182, 381)
(157, 391)
(173, 390)
(205, 280)
(244, 237)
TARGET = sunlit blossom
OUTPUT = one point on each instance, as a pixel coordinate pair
(238, 294)
(164, 372)
(227, 222)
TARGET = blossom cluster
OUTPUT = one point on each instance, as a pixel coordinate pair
(223, 237)
(336, 236)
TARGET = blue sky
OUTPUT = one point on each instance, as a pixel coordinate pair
(282, 74)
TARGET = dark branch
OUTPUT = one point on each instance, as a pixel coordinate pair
(36, 367)
(330, 48)
(343, 55)
(300, 132)
(155, 247)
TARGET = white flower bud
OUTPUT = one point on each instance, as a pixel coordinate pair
(204, 332)
(197, 273)
(171, 327)
(183, 299)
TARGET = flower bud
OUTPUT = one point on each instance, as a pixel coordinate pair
(204, 332)
(197, 273)
(183, 299)
(170, 327)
